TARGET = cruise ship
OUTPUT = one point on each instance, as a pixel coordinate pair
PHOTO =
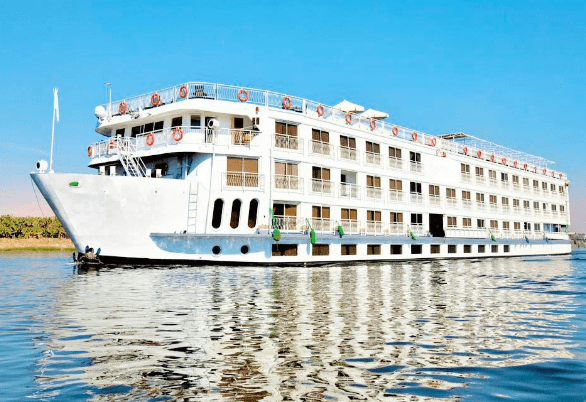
(212, 173)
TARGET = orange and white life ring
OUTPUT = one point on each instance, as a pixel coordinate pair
(414, 135)
(561, 175)
(433, 142)
(544, 171)
(395, 131)
(111, 145)
(479, 153)
(535, 169)
(552, 173)
(515, 164)
(123, 107)
(242, 92)
(349, 118)
(150, 139)
(177, 134)
(320, 110)
(286, 102)
(465, 150)
(155, 99)
(492, 158)
(525, 166)
(90, 151)
(373, 124)
(504, 161)
(183, 91)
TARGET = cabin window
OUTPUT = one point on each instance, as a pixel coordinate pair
(217, 214)
(517, 225)
(492, 174)
(414, 187)
(526, 204)
(396, 249)
(480, 198)
(544, 186)
(452, 249)
(506, 248)
(235, 215)
(252, 213)
(396, 185)
(494, 224)
(516, 203)
(494, 248)
(416, 249)
(285, 216)
(435, 249)
(505, 177)
(149, 127)
(515, 180)
(372, 148)
(450, 193)
(394, 153)
(396, 217)
(562, 209)
(159, 125)
(479, 171)
(535, 205)
(538, 227)
(525, 182)
(535, 184)
(320, 136)
(238, 123)
(347, 142)
(242, 172)
(452, 222)
(481, 248)
(286, 175)
(348, 249)
(284, 250)
(466, 195)
(120, 132)
(506, 225)
(285, 128)
(320, 217)
(480, 223)
(465, 169)
(415, 157)
(177, 121)
(349, 219)
(493, 199)
(467, 222)
(373, 249)
(505, 201)
(195, 121)
(467, 248)
(545, 206)
(527, 226)
(320, 249)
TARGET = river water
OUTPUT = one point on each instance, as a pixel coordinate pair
(492, 329)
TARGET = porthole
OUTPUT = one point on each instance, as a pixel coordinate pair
(217, 215)
(216, 250)
(244, 249)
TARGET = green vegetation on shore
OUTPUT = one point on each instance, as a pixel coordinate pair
(12, 227)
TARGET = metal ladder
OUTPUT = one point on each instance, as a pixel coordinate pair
(192, 207)
(133, 165)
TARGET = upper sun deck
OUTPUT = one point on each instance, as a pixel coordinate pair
(458, 143)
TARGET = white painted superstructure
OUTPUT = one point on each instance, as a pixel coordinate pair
(210, 172)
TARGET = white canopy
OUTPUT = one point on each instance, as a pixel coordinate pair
(374, 114)
(346, 106)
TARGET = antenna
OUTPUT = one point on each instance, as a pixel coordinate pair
(109, 86)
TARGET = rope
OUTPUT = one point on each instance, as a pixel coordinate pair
(37, 197)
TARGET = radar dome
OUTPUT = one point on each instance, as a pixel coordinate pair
(100, 112)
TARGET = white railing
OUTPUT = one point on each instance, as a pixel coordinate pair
(349, 190)
(416, 228)
(322, 224)
(452, 202)
(242, 180)
(312, 109)
(374, 227)
(396, 228)
(435, 200)
(493, 207)
(466, 177)
(467, 232)
(466, 204)
(493, 182)
(395, 163)
(415, 167)
(526, 211)
(396, 196)
(480, 180)
(348, 153)
(480, 205)
(289, 223)
(370, 158)
(321, 148)
(320, 186)
(288, 183)
(416, 198)
(374, 193)
(350, 226)
(291, 142)
(174, 136)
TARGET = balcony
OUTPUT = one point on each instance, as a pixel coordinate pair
(452, 202)
(242, 181)
(288, 183)
(416, 199)
(323, 187)
(466, 177)
(504, 184)
(322, 224)
(372, 159)
(349, 154)
(435, 201)
(467, 233)
(395, 163)
(494, 208)
(480, 180)
(480, 205)
(374, 193)
(526, 188)
(288, 142)
(493, 182)
(374, 227)
(466, 204)
(396, 196)
(396, 228)
(516, 210)
(350, 226)
(321, 148)
(526, 211)
(289, 223)
(506, 208)
(416, 167)
(349, 190)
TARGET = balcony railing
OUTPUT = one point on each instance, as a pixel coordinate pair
(415, 167)
(289, 223)
(480, 205)
(319, 186)
(493, 207)
(374, 193)
(452, 202)
(322, 224)
(288, 183)
(467, 232)
(480, 180)
(493, 182)
(243, 180)
(321, 148)
(466, 204)
(395, 163)
(435, 200)
(416, 198)
(396, 228)
(416, 228)
(372, 159)
(374, 227)
(290, 142)
(349, 190)
(396, 196)
(466, 177)
(349, 154)
(350, 226)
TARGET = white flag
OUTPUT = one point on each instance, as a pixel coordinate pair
(56, 103)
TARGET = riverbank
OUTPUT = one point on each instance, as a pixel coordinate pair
(42, 244)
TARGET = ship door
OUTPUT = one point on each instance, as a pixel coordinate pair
(436, 225)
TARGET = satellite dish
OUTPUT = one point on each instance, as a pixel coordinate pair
(100, 112)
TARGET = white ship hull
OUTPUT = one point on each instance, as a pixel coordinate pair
(144, 219)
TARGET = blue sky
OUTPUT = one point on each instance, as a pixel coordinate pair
(510, 72)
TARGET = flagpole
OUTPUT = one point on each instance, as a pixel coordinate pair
(55, 106)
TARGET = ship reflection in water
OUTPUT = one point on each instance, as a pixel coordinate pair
(422, 330)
